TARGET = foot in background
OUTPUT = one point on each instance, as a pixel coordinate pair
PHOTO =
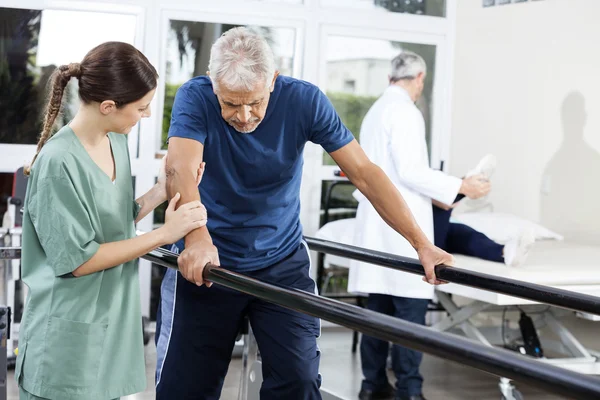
(517, 249)
(485, 167)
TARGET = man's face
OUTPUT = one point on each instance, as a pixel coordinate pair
(244, 110)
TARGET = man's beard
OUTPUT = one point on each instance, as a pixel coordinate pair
(251, 125)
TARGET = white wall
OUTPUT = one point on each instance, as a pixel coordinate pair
(527, 88)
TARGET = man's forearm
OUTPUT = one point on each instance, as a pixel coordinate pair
(198, 235)
(390, 204)
(184, 182)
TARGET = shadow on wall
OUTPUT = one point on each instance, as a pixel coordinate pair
(570, 188)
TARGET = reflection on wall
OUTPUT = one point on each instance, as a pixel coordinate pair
(570, 184)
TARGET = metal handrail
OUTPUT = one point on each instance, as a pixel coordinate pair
(497, 361)
(511, 287)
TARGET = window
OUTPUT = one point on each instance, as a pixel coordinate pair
(33, 43)
(188, 53)
(366, 64)
(6, 188)
(434, 8)
(349, 86)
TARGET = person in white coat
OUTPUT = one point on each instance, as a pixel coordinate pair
(393, 137)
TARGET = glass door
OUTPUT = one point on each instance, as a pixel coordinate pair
(353, 72)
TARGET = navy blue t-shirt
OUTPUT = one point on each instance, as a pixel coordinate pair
(251, 184)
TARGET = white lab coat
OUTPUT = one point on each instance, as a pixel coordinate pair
(393, 137)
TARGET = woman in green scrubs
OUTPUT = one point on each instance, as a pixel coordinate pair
(81, 333)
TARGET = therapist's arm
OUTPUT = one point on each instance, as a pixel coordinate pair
(109, 255)
(184, 156)
(389, 203)
(178, 223)
(150, 200)
(406, 139)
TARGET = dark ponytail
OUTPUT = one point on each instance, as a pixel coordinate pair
(59, 80)
(111, 71)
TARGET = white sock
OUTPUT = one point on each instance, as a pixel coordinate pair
(485, 167)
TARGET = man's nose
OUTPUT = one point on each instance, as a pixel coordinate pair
(244, 114)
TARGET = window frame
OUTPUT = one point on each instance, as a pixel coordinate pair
(15, 156)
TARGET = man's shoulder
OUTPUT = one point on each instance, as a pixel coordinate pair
(296, 86)
(199, 85)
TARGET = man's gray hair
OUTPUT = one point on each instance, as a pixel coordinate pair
(407, 65)
(240, 59)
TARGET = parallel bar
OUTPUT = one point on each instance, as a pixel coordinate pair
(525, 290)
(497, 361)
(511, 287)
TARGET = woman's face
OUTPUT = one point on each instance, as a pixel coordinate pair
(125, 118)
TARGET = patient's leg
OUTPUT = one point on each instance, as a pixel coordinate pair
(462, 239)
(441, 223)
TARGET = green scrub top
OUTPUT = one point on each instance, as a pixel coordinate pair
(80, 338)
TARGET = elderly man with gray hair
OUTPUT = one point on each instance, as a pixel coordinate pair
(393, 134)
(250, 126)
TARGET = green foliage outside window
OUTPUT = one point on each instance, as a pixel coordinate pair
(352, 110)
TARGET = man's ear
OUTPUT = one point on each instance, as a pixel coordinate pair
(272, 87)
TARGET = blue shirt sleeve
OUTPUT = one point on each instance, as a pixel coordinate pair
(327, 128)
(188, 116)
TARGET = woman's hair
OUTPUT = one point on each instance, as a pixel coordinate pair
(111, 71)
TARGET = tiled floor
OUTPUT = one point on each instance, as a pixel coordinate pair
(341, 372)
